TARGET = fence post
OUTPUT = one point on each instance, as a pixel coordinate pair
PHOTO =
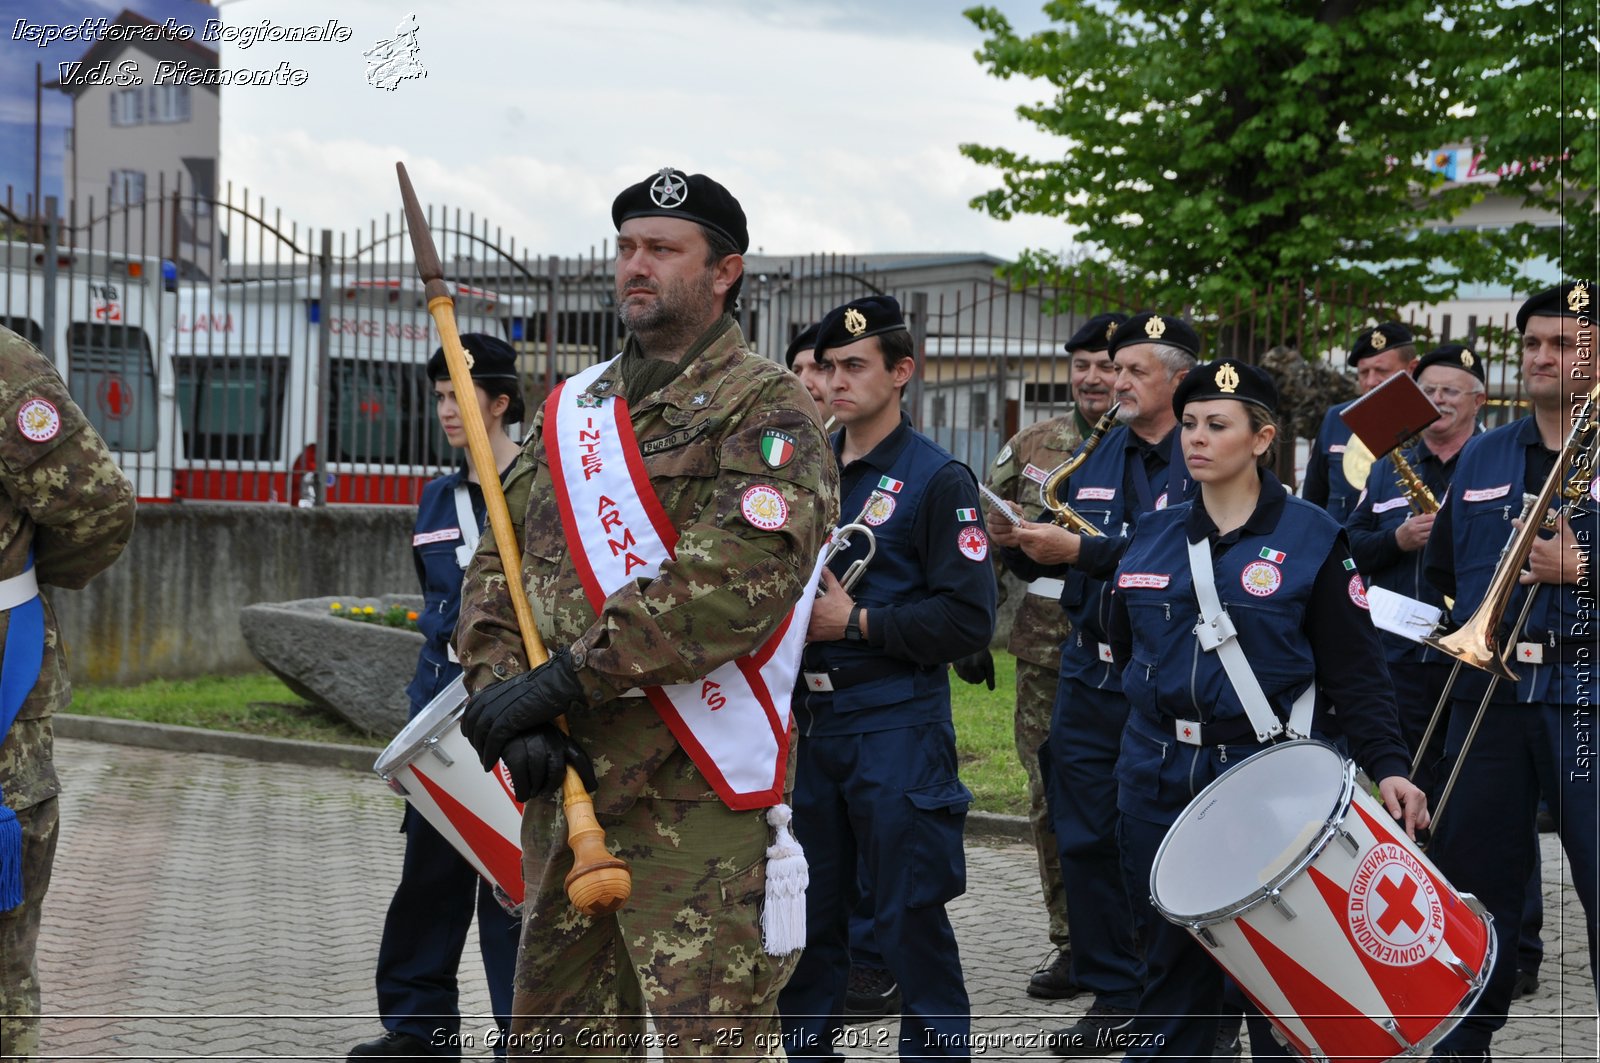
(919, 343)
(319, 475)
(48, 312)
(552, 308)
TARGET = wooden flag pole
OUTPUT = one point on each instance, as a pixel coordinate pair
(599, 882)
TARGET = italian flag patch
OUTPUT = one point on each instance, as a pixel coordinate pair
(776, 448)
(890, 484)
(1349, 564)
(1275, 556)
(966, 514)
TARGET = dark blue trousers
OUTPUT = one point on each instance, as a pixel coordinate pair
(892, 800)
(1486, 844)
(425, 932)
(1085, 739)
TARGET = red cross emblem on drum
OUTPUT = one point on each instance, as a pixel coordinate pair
(1395, 914)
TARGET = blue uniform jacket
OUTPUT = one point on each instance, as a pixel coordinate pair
(1325, 484)
(1492, 473)
(929, 591)
(439, 570)
(1110, 490)
(1383, 508)
(1291, 590)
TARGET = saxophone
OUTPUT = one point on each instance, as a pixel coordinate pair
(1421, 499)
(1060, 512)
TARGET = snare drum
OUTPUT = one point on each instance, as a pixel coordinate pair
(432, 765)
(1299, 884)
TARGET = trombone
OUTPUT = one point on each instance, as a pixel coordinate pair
(1060, 512)
(1477, 642)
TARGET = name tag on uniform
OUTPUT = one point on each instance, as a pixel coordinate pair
(1336, 448)
(1096, 494)
(1484, 494)
(1393, 503)
(443, 535)
(1034, 473)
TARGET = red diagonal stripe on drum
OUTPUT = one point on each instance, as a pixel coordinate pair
(502, 857)
(1332, 1020)
(1418, 996)
(1464, 933)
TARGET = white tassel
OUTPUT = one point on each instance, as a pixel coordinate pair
(783, 916)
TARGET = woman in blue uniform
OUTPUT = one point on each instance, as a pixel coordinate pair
(430, 915)
(1281, 569)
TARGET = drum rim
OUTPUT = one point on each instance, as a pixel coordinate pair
(1306, 857)
(395, 758)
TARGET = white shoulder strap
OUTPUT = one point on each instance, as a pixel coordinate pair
(1217, 634)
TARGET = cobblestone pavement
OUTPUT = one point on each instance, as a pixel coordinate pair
(211, 907)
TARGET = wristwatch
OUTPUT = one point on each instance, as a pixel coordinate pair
(852, 627)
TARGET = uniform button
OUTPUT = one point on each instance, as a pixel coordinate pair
(499, 670)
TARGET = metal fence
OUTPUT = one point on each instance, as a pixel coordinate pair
(228, 353)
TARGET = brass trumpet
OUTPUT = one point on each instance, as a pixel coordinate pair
(1060, 512)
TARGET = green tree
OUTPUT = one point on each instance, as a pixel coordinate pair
(1530, 75)
(1215, 149)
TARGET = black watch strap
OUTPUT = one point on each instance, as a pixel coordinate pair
(852, 627)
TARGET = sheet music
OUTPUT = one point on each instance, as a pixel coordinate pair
(1401, 615)
(999, 503)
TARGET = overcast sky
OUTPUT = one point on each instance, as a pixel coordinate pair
(836, 125)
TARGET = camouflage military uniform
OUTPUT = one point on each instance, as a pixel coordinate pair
(688, 943)
(1039, 628)
(64, 499)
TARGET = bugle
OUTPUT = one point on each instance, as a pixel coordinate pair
(840, 538)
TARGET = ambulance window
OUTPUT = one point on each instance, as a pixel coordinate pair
(112, 376)
(24, 327)
(383, 412)
(232, 407)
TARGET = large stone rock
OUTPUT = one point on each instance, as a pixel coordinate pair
(359, 671)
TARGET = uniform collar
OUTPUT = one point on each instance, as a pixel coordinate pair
(883, 456)
(695, 389)
(1528, 434)
(1163, 446)
(1269, 507)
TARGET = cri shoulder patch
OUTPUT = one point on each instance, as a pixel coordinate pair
(38, 420)
(973, 543)
(763, 506)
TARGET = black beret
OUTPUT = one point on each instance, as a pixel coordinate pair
(1564, 300)
(1226, 379)
(1378, 339)
(858, 319)
(1454, 355)
(492, 358)
(670, 193)
(1095, 335)
(1156, 328)
(806, 341)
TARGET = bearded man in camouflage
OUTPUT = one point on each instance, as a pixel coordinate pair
(66, 512)
(725, 457)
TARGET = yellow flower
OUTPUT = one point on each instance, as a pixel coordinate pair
(369, 610)
(336, 607)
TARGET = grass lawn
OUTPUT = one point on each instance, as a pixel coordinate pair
(259, 704)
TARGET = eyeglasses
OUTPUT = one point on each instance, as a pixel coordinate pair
(1436, 391)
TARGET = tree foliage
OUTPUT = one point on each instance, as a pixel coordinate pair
(1216, 148)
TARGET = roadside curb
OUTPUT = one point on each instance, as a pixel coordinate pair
(985, 825)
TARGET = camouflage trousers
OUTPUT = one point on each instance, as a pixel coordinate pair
(19, 933)
(1036, 696)
(686, 947)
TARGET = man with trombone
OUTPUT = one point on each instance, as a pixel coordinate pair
(1522, 717)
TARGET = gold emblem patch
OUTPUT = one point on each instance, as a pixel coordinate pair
(1110, 329)
(1155, 328)
(855, 322)
(1378, 340)
(1578, 297)
(1467, 359)
(1227, 379)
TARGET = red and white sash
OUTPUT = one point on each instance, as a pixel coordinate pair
(733, 722)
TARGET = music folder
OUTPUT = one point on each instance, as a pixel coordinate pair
(1391, 413)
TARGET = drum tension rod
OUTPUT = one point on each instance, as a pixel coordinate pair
(1393, 1029)
(438, 750)
(1279, 903)
(1349, 841)
(1207, 936)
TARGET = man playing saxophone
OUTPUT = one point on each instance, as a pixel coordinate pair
(1391, 524)
(1537, 733)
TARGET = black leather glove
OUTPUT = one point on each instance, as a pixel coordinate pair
(496, 714)
(978, 668)
(537, 762)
